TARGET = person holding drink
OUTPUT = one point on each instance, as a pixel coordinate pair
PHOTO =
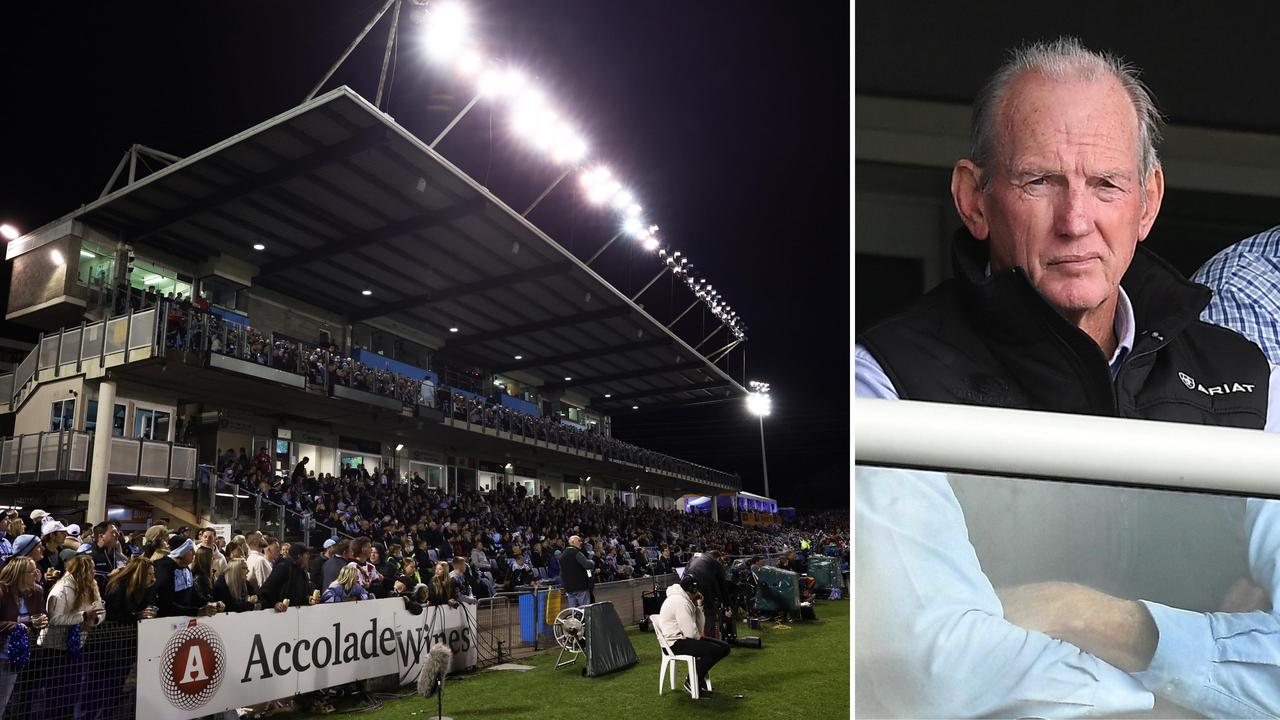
(22, 615)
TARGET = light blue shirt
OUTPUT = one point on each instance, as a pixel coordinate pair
(959, 657)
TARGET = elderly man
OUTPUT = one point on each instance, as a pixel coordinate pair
(1055, 307)
(575, 573)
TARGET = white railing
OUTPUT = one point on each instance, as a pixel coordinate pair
(1024, 443)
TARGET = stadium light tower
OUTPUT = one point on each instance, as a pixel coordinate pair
(761, 404)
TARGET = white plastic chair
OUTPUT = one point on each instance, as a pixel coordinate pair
(670, 660)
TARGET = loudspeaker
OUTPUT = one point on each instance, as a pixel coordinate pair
(749, 641)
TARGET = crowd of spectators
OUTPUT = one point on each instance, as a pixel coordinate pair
(406, 541)
(189, 323)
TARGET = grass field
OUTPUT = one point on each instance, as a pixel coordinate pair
(801, 672)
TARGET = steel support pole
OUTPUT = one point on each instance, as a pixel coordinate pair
(347, 52)
(386, 56)
(456, 119)
(547, 192)
(101, 465)
(133, 165)
(679, 317)
(764, 461)
(605, 247)
(115, 175)
(650, 283)
(708, 337)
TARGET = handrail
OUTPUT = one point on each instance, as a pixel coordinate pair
(1026, 443)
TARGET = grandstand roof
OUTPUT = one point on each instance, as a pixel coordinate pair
(345, 200)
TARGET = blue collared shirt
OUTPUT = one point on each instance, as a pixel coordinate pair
(1218, 664)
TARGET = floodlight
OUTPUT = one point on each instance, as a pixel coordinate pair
(259, 246)
(470, 63)
(634, 227)
(633, 209)
(650, 243)
(759, 404)
(9, 232)
(624, 200)
(447, 30)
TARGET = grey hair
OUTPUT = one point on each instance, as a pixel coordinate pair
(1063, 59)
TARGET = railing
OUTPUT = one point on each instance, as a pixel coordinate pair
(66, 455)
(247, 509)
(44, 456)
(978, 528)
(68, 350)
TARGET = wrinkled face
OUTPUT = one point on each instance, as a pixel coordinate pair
(1065, 199)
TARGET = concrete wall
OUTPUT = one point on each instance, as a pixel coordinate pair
(270, 313)
(35, 413)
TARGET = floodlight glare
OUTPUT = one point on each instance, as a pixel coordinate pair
(651, 243)
(634, 227)
(470, 63)
(759, 404)
(9, 232)
(634, 209)
(259, 246)
(623, 200)
(447, 30)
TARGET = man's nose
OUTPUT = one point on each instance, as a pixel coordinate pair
(1074, 217)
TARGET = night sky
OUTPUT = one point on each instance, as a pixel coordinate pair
(729, 119)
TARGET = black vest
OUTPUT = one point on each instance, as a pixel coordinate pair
(573, 577)
(994, 341)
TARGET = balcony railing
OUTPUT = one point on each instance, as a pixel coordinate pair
(66, 455)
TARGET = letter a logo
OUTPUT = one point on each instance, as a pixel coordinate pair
(194, 671)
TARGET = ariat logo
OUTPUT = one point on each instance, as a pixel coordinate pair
(1223, 389)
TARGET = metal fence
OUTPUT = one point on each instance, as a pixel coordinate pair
(97, 680)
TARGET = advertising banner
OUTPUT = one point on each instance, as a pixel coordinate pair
(191, 667)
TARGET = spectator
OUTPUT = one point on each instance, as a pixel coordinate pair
(462, 586)
(336, 562)
(22, 611)
(575, 573)
(288, 583)
(315, 570)
(440, 591)
(262, 552)
(712, 581)
(202, 571)
(176, 591)
(346, 587)
(75, 607)
(52, 537)
(232, 588)
(208, 538)
(155, 543)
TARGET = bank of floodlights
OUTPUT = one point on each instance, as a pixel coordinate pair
(537, 121)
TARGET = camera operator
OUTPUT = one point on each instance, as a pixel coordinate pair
(681, 621)
(712, 579)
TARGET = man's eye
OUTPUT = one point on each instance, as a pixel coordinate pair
(1038, 181)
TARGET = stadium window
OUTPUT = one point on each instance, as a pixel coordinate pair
(96, 266)
(149, 424)
(117, 418)
(63, 415)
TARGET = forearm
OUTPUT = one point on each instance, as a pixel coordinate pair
(1119, 631)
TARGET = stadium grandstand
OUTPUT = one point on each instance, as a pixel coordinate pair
(316, 363)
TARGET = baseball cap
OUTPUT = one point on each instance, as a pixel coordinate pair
(36, 515)
(73, 530)
(330, 543)
(52, 526)
(24, 545)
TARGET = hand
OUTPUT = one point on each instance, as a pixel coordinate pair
(1118, 631)
(40, 622)
(208, 610)
(281, 607)
(1244, 596)
(146, 613)
(313, 600)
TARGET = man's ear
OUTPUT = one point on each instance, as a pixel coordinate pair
(1151, 203)
(970, 200)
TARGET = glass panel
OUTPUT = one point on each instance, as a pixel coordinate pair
(92, 341)
(48, 352)
(63, 415)
(160, 430)
(115, 335)
(953, 570)
(143, 421)
(117, 421)
(142, 329)
(70, 346)
(96, 265)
